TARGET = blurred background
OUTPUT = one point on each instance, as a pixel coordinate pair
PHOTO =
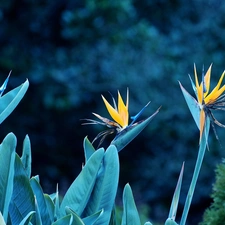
(73, 51)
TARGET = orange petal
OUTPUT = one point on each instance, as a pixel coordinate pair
(122, 110)
(113, 113)
(207, 79)
(216, 92)
(202, 122)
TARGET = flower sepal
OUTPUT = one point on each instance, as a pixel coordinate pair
(124, 137)
(193, 105)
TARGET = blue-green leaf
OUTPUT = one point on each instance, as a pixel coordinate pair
(88, 149)
(170, 221)
(104, 192)
(79, 192)
(3, 87)
(38, 220)
(176, 196)
(148, 223)
(130, 213)
(90, 220)
(2, 221)
(76, 219)
(22, 201)
(41, 203)
(66, 220)
(27, 218)
(50, 207)
(56, 200)
(7, 158)
(10, 100)
(192, 105)
(130, 132)
(26, 155)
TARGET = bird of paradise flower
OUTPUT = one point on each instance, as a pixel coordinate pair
(125, 132)
(201, 107)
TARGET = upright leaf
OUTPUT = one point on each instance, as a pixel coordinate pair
(104, 192)
(88, 149)
(130, 213)
(79, 192)
(176, 196)
(41, 203)
(26, 155)
(22, 201)
(7, 158)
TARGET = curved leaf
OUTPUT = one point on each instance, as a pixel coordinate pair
(104, 192)
(27, 219)
(66, 220)
(7, 158)
(22, 201)
(90, 220)
(130, 213)
(41, 203)
(10, 100)
(80, 190)
(76, 219)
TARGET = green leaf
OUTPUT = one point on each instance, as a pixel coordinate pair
(130, 213)
(50, 206)
(76, 219)
(41, 203)
(130, 132)
(26, 155)
(27, 218)
(22, 201)
(57, 208)
(88, 149)
(7, 158)
(79, 192)
(10, 100)
(90, 220)
(66, 220)
(170, 221)
(176, 196)
(2, 222)
(38, 220)
(192, 105)
(104, 192)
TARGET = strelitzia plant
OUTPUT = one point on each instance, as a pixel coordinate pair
(201, 110)
(125, 132)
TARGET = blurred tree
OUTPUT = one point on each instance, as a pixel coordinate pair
(73, 51)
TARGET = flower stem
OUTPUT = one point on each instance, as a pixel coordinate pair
(201, 153)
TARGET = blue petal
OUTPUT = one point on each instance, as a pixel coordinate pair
(134, 118)
(3, 87)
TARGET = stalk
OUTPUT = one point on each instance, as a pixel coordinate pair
(201, 153)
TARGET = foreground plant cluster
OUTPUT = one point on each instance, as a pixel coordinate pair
(90, 200)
